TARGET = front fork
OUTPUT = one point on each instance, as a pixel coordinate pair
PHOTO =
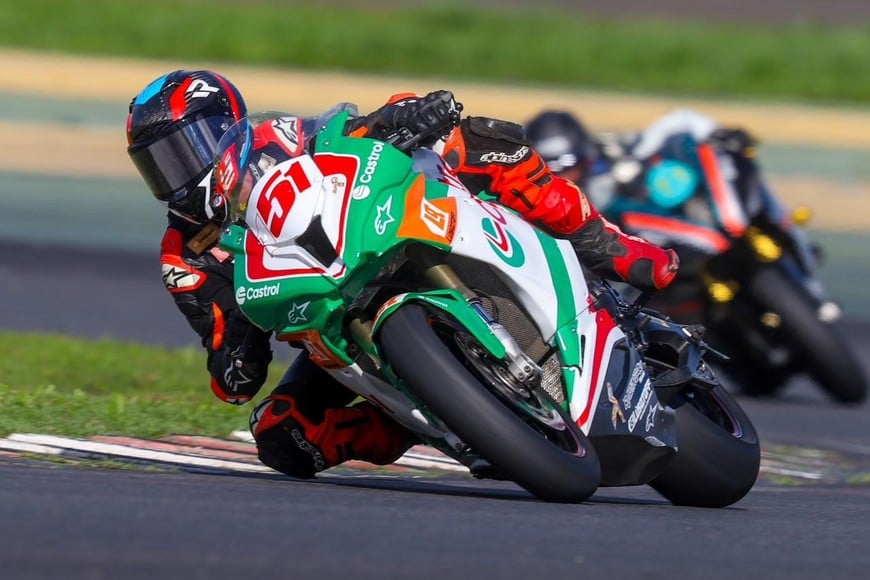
(441, 276)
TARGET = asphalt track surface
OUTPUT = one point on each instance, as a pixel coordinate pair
(76, 523)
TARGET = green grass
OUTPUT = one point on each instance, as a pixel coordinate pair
(59, 385)
(795, 61)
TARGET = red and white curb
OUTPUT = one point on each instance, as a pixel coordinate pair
(189, 451)
(239, 454)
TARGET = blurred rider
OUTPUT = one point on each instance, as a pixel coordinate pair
(564, 143)
(634, 180)
(305, 425)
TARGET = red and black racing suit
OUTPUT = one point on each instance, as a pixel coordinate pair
(305, 425)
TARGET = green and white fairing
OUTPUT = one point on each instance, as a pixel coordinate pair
(319, 228)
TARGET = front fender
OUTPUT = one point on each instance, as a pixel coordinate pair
(451, 303)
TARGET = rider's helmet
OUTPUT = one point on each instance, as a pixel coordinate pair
(562, 141)
(173, 129)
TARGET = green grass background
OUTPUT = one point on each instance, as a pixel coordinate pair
(61, 385)
(532, 45)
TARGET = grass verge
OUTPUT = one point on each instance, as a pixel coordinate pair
(59, 385)
(522, 45)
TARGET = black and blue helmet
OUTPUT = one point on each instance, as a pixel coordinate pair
(173, 129)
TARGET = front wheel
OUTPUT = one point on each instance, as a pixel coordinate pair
(718, 454)
(820, 346)
(531, 443)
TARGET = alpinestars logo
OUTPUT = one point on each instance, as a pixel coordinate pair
(287, 129)
(176, 278)
(307, 447)
(384, 217)
(235, 377)
(496, 157)
(297, 313)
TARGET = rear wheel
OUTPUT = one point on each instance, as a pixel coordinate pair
(821, 346)
(523, 433)
(718, 453)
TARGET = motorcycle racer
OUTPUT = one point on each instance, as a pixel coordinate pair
(173, 127)
(306, 424)
(625, 176)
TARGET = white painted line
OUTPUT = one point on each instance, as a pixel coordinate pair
(55, 445)
(52, 441)
(23, 447)
(427, 462)
(791, 472)
(242, 435)
(412, 458)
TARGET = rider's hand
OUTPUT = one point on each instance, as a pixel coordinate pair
(438, 109)
(246, 353)
(422, 121)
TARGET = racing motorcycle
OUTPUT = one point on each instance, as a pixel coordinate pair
(750, 273)
(467, 325)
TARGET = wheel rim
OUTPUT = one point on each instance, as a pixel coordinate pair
(529, 403)
(712, 407)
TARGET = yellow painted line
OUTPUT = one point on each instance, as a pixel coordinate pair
(307, 92)
(834, 206)
(65, 150)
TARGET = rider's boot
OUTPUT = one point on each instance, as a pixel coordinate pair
(609, 252)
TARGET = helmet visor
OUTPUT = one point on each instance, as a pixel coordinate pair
(178, 160)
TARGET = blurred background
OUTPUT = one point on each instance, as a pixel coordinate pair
(793, 72)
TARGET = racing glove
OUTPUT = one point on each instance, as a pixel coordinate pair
(240, 357)
(409, 121)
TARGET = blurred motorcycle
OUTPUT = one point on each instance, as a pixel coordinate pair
(748, 273)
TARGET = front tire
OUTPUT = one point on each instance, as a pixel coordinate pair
(820, 346)
(559, 468)
(718, 453)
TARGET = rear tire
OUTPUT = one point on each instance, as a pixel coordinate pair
(820, 346)
(718, 454)
(562, 468)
